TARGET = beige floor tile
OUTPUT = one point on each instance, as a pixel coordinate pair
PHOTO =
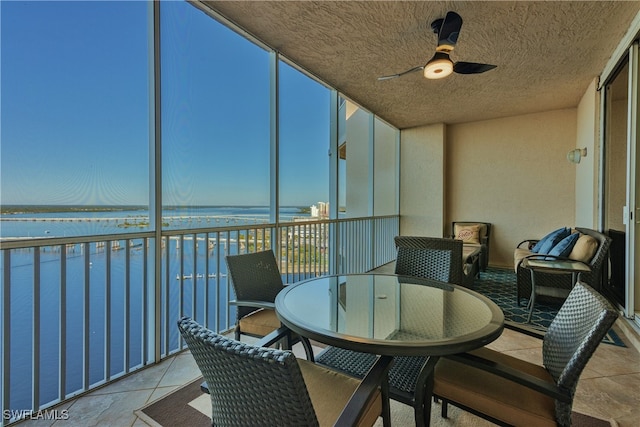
(183, 370)
(609, 397)
(114, 409)
(513, 340)
(614, 360)
(146, 378)
(47, 418)
(139, 423)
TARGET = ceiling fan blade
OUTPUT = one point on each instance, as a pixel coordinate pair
(449, 31)
(393, 76)
(471, 68)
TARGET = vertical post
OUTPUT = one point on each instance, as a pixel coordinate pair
(107, 311)
(333, 237)
(6, 333)
(35, 367)
(86, 331)
(127, 305)
(62, 324)
(155, 186)
(274, 138)
(633, 185)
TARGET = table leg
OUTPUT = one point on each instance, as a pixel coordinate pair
(424, 392)
(532, 298)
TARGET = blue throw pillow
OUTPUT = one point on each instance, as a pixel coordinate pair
(565, 246)
(550, 240)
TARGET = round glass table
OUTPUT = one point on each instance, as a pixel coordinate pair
(390, 315)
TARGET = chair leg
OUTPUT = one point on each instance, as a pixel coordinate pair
(423, 393)
(386, 406)
(307, 349)
(444, 409)
(204, 387)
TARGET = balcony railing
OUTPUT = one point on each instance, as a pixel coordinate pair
(83, 311)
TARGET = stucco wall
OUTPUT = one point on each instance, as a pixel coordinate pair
(512, 172)
(587, 171)
(421, 181)
(357, 164)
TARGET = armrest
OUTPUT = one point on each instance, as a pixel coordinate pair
(273, 337)
(530, 243)
(514, 375)
(378, 376)
(254, 303)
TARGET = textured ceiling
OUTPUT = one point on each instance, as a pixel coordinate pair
(547, 53)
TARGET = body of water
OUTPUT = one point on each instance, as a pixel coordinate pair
(36, 312)
(67, 223)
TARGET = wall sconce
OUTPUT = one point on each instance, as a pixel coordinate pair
(574, 156)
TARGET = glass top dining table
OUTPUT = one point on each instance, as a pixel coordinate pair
(391, 315)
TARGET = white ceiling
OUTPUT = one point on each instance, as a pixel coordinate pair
(547, 53)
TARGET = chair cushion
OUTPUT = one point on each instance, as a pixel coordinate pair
(565, 246)
(545, 244)
(259, 323)
(495, 396)
(584, 249)
(330, 391)
(518, 255)
(468, 233)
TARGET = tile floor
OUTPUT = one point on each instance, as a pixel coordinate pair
(609, 387)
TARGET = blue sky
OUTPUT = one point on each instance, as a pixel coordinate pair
(75, 110)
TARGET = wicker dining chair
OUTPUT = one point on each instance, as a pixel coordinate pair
(251, 385)
(426, 257)
(256, 281)
(511, 391)
(430, 258)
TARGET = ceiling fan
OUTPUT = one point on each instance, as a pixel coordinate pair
(447, 29)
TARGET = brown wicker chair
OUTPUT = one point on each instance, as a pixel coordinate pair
(564, 281)
(258, 386)
(427, 257)
(511, 391)
(484, 238)
(256, 281)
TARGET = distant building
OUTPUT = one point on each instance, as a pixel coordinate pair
(321, 210)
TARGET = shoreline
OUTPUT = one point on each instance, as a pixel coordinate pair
(38, 209)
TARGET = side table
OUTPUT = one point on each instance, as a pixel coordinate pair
(540, 263)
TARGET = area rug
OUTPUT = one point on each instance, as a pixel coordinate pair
(500, 286)
(188, 406)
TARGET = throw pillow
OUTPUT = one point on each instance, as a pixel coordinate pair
(565, 246)
(468, 233)
(545, 244)
(584, 249)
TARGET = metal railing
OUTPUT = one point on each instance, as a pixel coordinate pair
(79, 312)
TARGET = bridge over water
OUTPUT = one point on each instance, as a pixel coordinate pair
(134, 219)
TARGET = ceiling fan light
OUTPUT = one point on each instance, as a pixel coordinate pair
(438, 67)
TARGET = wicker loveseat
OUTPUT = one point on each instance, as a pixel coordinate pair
(562, 281)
